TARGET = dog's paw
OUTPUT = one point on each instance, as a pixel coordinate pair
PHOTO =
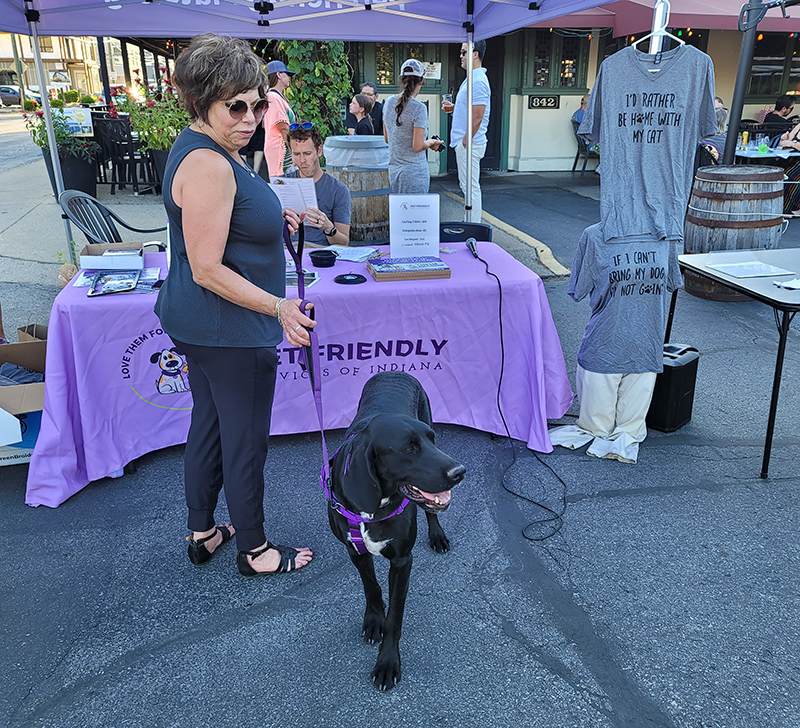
(439, 542)
(386, 673)
(373, 627)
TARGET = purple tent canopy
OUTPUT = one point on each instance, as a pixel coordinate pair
(420, 21)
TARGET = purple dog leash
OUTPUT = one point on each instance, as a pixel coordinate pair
(310, 360)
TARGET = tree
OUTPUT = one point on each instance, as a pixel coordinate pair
(323, 78)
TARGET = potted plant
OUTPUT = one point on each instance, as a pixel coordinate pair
(157, 121)
(76, 154)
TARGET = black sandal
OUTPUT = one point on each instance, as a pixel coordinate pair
(287, 562)
(198, 553)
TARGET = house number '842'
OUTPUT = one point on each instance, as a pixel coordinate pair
(544, 102)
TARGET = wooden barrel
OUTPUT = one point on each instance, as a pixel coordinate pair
(732, 208)
(369, 190)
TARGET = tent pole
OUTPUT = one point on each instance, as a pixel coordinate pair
(51, 134)
(468, 194)
(18, 67)
(740, 89)
(101, 57)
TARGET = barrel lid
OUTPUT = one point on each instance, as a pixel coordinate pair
(739, 173)
(356, 142)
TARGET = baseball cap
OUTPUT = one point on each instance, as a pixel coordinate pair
(278, 67)
(412, 67)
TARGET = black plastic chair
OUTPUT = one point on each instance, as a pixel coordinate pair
(460, 232)
(94, 219)
(585, 149)
(128, 164)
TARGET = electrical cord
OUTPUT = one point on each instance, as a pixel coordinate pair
(554, 519)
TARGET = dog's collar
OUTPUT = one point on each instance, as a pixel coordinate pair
(171, 374)
(354, 520)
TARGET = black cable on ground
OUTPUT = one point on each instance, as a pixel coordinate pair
(554, 519)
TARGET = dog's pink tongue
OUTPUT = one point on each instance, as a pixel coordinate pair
(442, 498)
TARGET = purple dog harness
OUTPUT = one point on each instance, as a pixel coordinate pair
(310, 361)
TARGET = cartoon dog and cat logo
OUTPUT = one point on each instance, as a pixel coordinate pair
(173, 374)
(154, 369)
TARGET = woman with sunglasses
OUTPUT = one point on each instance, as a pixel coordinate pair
(277, 120)
(405, 126)
(223, 301)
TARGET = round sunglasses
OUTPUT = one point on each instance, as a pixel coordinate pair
(237, 109)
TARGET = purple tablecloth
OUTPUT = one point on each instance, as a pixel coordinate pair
(107, 401)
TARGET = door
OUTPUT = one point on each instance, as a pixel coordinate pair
(493, 62)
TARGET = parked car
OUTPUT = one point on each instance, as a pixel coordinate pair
(9, 95)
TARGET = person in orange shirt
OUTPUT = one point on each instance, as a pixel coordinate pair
(277, 119)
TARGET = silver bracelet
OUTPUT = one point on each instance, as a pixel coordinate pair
(278, 310)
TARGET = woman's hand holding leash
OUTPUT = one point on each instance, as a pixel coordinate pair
(294, 321)
(292, 219)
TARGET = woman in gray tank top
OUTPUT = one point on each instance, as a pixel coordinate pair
(222, 302)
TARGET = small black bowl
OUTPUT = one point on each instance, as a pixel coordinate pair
(322, 258)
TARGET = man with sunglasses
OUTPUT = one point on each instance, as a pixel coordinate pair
(329, 223)
(481, 107)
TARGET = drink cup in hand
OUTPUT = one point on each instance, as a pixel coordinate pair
(447, 103)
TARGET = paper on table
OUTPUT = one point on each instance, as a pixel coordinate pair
(743, 264)
(750, 269)
(354, 255)
(298, 193)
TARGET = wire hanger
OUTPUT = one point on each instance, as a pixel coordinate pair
(660, 19)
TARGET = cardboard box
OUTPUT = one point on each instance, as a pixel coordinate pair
(32, 332)
(92, 257)
(20, 399)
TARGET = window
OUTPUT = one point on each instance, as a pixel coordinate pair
(776, 66)
(389, 56)
(554, 59)
(45, 43)
(384, 57)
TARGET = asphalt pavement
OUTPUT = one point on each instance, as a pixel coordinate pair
(668, 598)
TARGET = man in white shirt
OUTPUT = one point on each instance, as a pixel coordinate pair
(481, 107)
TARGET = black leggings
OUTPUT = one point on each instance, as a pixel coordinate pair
(232, 390)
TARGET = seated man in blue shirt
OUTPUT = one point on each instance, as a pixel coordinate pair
(329, 223)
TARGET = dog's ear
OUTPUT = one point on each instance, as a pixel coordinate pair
(155, 357)
(176, 351)
(354, 467)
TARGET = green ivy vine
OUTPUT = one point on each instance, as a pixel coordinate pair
(323, 80)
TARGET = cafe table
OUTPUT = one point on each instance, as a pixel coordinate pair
(785, 303)
(108, 401)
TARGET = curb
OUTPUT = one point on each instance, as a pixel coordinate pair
(546, 257)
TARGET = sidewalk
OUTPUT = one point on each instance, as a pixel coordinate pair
(668, 599)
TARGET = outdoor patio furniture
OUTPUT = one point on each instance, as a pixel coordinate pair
(129, 165)
(459, 232)
(585, 149)
(94, 219)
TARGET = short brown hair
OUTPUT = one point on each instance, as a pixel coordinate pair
(215, 68)
(300, 135)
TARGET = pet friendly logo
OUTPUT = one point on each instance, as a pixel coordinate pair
(155, 370)
(172, 369)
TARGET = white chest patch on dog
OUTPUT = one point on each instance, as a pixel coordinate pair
(374, 547)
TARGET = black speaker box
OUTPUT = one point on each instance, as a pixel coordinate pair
(673, 396)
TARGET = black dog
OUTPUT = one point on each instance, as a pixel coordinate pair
(389, 455)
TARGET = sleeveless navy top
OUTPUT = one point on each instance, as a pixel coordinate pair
(254, 250)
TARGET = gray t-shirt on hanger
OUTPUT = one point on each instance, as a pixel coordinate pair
(648, 123)
(629, 282)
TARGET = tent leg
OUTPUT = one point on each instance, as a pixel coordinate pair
(739, 91)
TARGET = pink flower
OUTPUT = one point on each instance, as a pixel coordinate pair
(39, 113)
(162, 69)
(150, 103)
